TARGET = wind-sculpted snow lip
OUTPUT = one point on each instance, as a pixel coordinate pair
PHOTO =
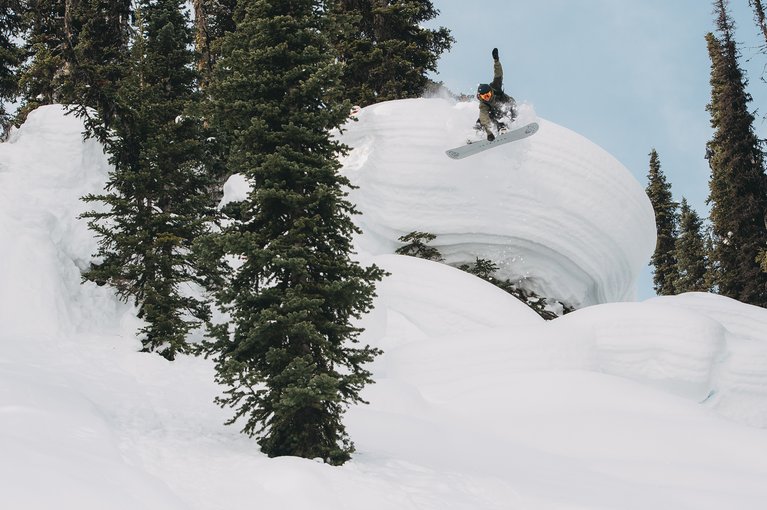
(553, 210)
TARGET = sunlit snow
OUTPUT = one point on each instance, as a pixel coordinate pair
(554, 210)
(478, 402)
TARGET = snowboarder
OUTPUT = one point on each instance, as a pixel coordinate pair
(494, 104)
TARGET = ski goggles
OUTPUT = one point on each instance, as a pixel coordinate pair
(487, 96)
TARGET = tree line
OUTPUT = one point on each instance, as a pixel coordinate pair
(181, 100)
(729, 255)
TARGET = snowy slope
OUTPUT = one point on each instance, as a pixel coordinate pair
(553, 210)
(44, 170)
(478, 403)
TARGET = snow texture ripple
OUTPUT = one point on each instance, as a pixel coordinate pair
(554, 211)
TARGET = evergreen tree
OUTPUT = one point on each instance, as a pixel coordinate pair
(690, 252)
(385, 49)
(664, 259)
(482, 268)
(41, 76)
(547, 308)
(759, 18)
(738, 185)
(762, 260)
(417, 246)
(212, 19)
(290, 363)
(97, 33)
(12, 25)
(157, 201)
(712, 266)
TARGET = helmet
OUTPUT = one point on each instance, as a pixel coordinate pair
(484, 92)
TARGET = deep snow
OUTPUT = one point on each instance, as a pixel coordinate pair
(554, 210)
(478, 404)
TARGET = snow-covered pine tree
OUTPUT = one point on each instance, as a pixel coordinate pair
(663, 259)
(290, 363)
(690, 252)
(156, 198)
(738, 185)
(385, 48)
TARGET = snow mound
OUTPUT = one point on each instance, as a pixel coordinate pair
(45, 168)
(635, 388)
(60, 438)
(554, 210)
(478, 402)
(464, 302)
(739, 379)
(705, 348)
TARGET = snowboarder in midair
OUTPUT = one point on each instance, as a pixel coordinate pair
(494, 104)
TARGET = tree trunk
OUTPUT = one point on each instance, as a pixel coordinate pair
(202, 42)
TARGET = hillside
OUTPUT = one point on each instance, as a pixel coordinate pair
(478, 402)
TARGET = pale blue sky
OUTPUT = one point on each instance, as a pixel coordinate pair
(630, 75)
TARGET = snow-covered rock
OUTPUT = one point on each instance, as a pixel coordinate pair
(553, 210)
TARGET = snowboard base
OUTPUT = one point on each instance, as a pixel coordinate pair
(482, 145)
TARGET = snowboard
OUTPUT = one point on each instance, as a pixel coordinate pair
(513, 135)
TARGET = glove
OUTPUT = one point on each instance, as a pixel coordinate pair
(490, 137)
(495, 53)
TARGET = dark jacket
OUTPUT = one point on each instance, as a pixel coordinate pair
(493, 110)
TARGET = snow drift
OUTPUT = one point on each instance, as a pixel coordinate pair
(45, 168)
(478, 402)
(554, 211)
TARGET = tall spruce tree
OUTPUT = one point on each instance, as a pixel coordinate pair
(97, 34)
(212, 19)
(738, 185)
(157, 201)
(759, 18)
(291, 364)
(43, 72)
(690, 252)
(385, 49)
(12, 25)
(664, 258)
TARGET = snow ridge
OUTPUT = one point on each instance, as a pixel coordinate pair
(553, 210)
(478, 402)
